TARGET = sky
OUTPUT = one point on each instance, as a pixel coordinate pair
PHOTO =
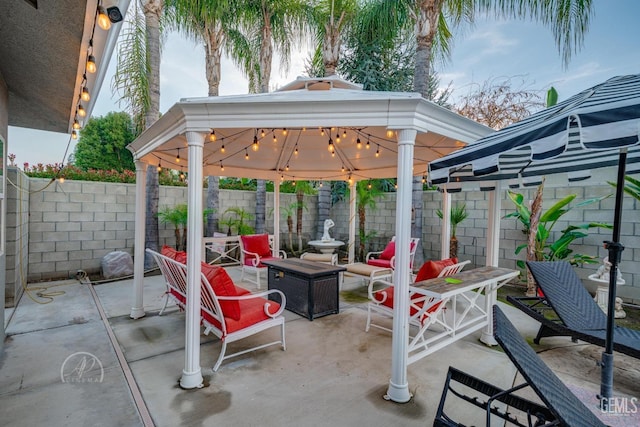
(522, 51)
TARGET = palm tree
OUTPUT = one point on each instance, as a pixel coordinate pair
(458, 214)
(137, 77)
(330, 19)
(367, 194)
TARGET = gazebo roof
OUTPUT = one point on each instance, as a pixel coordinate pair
(305, 115)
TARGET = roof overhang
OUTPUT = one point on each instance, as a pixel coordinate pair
(44, 52)
(304, 112)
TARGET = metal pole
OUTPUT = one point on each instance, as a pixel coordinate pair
(615, 253)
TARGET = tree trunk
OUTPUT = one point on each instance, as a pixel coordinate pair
(299, 208)
(213, 42)
(261, 205)
(152, 11)
(324, 207)
(331, 47)
(290, 228)
(213, 203)
(184, 237)
(532, 255)
(266, 55)
(151, 234)
(453, 247)
(426, 25)
(416, 223)
(362, 218)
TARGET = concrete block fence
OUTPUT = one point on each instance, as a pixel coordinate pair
(54, 230)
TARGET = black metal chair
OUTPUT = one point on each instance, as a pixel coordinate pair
(560, 407)
(568, 309)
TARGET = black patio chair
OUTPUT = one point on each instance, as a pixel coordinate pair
(573, 311)
(559, 407)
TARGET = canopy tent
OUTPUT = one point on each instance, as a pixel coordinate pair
(596, 128)
(293, 134)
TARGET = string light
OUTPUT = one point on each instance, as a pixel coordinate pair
(320, 184)
(367, 146)
(331, 148)
(424, 179)
(274, 138)
(293, 183)
(344, 133)
(284, 131)
(343, 168)
(369, 185)
(76, 124)
(378, 151)
(255, 145)
(74, 134)
(159, 168)
(61, 179)
(212, 135)
(321, 131)
(296, 150)
(281, 178)
(81, 111)
(286, 168)
(84, 95)
(178, 156)
(338, 137)
(246, 154)
(350, 180)
(91, 60)
(262, 133)
(221, 168)
(358, 143)
(103, 20)
(181, 176)
(222, 150)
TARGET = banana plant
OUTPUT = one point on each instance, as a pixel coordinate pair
(632, 187)
(558, 249)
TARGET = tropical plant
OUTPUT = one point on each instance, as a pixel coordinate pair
(632, 187)
(235, 219)
(302, 188)
(178, 217)
(458, 214)
(560, 248)
(367, 195)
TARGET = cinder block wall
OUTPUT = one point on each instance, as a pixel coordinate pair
(17, 243)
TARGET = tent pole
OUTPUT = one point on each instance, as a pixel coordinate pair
(276, 216)
(137, 306)
(398, 390)
(445, 232)
(615, 249)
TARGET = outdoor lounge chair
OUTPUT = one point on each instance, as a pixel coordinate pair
(229, 311)
(420, 306)
(387, 257)
(255, 248)
(567, 309)
(559, 405)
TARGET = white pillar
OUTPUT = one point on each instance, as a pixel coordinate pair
(191, 374)
(445, 232)
(352, 222)
(493, 246)
(137, 305)
(398, 390)
(276, 216)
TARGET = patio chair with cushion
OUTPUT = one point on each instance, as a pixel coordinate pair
(255, 248)
(229, 311)
(559, 406)
(567, 309)
(387, 257)
(420, 306)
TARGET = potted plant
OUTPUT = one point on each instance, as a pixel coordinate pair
(458, 214)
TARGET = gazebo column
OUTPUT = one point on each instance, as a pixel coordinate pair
(276, 216)
(352, 221)
(445, 231)
(398, 390)
(137, 305)
(492, 255)
(191, 374)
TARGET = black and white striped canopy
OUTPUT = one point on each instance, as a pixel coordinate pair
(584, 132)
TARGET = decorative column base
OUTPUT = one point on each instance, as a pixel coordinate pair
(398, 393)
(137, 313)
(191, 380)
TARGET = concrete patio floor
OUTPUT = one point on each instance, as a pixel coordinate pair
(332, 373)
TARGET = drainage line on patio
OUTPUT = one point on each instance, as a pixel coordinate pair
(128, 375)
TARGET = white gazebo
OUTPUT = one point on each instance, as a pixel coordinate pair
(311, 129)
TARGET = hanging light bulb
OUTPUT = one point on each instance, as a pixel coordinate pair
(331, 148)
(396, 185)
(181, 176)
(274, 138)
(344, 133)
(281, 178)
(367, 146)
(424, 179)
(81, 111)
(262, 133)
(178, 156)
(76, 124)
(338, 137)
(369, 185)
(246, 154)
(287, 167)
(222, 150)
(159, 166)
(333, 154)
(358, 143)
(84, 95)
(293, 183)
(320, 184)
(350, 180)
(321, 131)
(296, 150)
(389, 133)
(91, 64)
(284, 131)
(378, 151)
(103, 19)
(212, 135)
(74, 134)
(221, 168)
(343, 168)
(255, 146)
(61, 179)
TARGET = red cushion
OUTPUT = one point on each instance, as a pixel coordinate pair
(389, 251)
(252, 313)
(431, 269)
(257, 243)
(222, 285)
(388, 301)
(169, 252)
(385, 263)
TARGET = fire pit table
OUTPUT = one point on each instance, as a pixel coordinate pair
(311, 288)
